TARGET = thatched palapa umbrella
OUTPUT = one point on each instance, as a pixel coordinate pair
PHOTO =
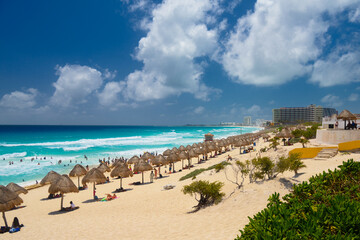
(159, 161)
(142, 166)
(8, 200)
(63, 185)
(50, 177)
(182, 148)
(94, 176)
(121, 171)
(133, 160)
(172, 158)
(346, 115)
(78, 171)
(146, 156)
(167, 152)
(104, 168)
(183, 155)
(16, 188)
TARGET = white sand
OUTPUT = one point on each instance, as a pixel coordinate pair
(149, 212)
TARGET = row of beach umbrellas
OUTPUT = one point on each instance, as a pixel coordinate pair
(63, 184)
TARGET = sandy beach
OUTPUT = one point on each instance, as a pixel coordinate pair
(150, 212)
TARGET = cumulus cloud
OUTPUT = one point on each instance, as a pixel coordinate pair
(331, 101)
(278, 40)
(75, 84)
(199, 110)
(20, 100)
(353, 97)
(178, 35)
(109, 96)
(337, 69)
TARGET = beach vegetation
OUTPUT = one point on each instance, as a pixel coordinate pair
(297, 133)
(295, 163)
(303, 141)
(196, 172)
(327, 206)
(274, 142)
(239, 171)
(205, 193)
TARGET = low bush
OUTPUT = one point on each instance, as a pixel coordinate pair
(325, 207)
(205, 193)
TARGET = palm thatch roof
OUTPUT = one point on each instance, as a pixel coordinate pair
(104, 168)
(8, 199)
(147, 156)
(346, 115)
(77, 171)
(159, 160)
(133, 160)
(285, 133)
(121, 171)
(95, 176)
(50, 177)
(142, 166)
(182, 148)
(16, 188)
(167, 152)
(63, 185)
(183, 155)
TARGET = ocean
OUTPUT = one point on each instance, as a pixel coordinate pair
(36, 150)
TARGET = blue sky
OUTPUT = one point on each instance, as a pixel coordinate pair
(175, 62)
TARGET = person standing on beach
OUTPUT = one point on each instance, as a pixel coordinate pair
(152, 176)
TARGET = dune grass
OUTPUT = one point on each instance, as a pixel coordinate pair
(198, 171)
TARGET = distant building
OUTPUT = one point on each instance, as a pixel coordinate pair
(228, 124)
(247, 121)
(294, 115)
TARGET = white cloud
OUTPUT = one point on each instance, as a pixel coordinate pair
(20, 100)
(75, 84)
(337, 69)
(253, 110)
(199, 110)
(277, 42)
(178, 34)
(109, 96)
(353, 97)
(354, 16)
(331, 101)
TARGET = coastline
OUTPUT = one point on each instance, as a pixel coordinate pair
(152, 208)
(93, 144)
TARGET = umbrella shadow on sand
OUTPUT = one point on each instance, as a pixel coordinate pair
(58, 212)
(90, 201)
(123, 190)
(17, 207)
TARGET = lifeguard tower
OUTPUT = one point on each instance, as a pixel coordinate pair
(209, 137)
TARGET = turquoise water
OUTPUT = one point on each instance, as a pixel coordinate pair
(46, 145)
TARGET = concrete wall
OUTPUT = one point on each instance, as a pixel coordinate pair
(328, 136)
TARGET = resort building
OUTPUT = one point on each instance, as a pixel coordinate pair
(247, 121)
(294, 115)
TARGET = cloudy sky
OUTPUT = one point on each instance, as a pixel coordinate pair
(171, 62)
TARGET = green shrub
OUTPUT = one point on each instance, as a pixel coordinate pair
(325, 207)
(206, 193)
(295, 163)
(196, 172)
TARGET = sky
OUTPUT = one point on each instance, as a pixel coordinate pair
(175, 62)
